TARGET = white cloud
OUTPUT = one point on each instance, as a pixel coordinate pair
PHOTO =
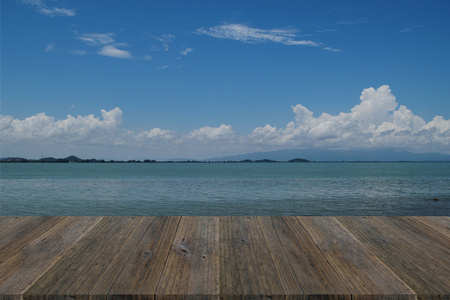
(108, 45)
(156, 133)
(5, 122)
(377, 121)
(243, 33)
(42, 8)
(57, 11)
(40, 127)
(50, 47)
(187, 51)
(246, 34)
(94, 39)
(113, 51)
(165, 39)
(376, 106)
(223, 132)
(33, 2)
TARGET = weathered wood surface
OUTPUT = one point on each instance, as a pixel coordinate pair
(418, 265)
(348, 258)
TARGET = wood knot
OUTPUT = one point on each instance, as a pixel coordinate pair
(203, 256)
(243, 241)
(183, 250)
(146, 254)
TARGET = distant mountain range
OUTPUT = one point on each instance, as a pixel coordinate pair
(317, 154)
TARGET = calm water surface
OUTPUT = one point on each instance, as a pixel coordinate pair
(226, 189)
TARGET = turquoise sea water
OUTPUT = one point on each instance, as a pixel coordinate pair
(226, 189)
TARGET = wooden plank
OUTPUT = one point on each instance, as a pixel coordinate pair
(24, 267)
(247, 270)
(6, 222)
(441, 224)
(424, 275)
(12, 224)
(302, 268)
(192, 267)
(360, 270)
(136, 269)
(430, 241)
(18, 234)
(109, 277)
(228, 257)
(78, 271)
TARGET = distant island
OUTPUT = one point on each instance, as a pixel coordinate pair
(279, 156)
(75, 159)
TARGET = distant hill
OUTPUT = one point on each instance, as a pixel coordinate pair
(13, 159)
(317, 154)
(71, 158)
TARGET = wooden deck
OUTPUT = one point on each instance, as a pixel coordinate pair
(225, 258)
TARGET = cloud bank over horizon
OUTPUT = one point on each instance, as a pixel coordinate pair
(378, 121)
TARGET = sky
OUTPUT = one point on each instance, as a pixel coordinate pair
(201, 79)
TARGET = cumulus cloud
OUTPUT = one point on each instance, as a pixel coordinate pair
(246, 34)
(105, 133)
(41, 127)
(223, 132)
(377, 121)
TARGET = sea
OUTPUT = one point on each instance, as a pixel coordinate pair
(225, 189)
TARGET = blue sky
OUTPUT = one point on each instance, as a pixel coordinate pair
(199, 79)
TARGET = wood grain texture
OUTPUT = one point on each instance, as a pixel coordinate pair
(431, 242)
(301, 266)
(360, 270)
(425, 276)
(192, 268)
(441, 224)
(162, 258)
(78, 271)
(18, 232)
(27, 265)
(137, 272)
(247, 269)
